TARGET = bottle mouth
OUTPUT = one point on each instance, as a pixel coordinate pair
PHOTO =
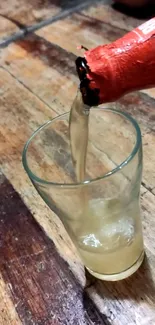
(90, 95)
(82, 68)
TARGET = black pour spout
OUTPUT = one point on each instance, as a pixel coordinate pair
(90, 96)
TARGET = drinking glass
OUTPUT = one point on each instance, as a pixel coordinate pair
(102, 213)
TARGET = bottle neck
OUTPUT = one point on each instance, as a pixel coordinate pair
(90, 96)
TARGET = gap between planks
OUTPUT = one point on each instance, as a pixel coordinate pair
(25, 30)
(29, 89)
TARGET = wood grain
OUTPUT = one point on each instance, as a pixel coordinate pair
(18, 120)
(41, 285)
(107, 14)
(52, 64)
(35, 11)
(85, 30)
(7, 27)
(8, 314)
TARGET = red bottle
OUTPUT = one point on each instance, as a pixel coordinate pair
(128, 64)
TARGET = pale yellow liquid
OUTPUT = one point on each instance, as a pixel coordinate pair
(78, 124)
(109, 233)
(110, 239)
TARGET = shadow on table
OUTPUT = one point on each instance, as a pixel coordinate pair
(145, 12)
(138, 287)
(91, 311)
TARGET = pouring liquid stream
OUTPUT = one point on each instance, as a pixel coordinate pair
(79, 129)
(79, 132)
(105, 232)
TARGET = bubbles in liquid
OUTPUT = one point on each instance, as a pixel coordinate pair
(105, 228)
(110, 240)
(107, 232)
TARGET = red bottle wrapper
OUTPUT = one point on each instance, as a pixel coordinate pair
(125, 65)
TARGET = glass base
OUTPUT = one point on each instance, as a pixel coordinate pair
(119, 276)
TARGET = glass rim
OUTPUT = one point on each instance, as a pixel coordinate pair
(93, 180)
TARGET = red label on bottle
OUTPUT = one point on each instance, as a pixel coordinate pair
(146, 30)
(126, 65)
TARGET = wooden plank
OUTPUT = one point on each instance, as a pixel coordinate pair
(35, 60)
(35, 11)
(19, 119)
(6, 27)
(8, 314)
(85, 30)
(41, 285)
(109, 15)
(142, 108)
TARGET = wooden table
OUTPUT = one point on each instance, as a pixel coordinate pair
(42, 281)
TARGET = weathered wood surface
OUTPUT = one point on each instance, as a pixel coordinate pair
(35, 11)
(32, 12)
(40, 283)
(38, 81)
(18, 18)
(7, 27)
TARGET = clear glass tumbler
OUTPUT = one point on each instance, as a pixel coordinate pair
(101, 214)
